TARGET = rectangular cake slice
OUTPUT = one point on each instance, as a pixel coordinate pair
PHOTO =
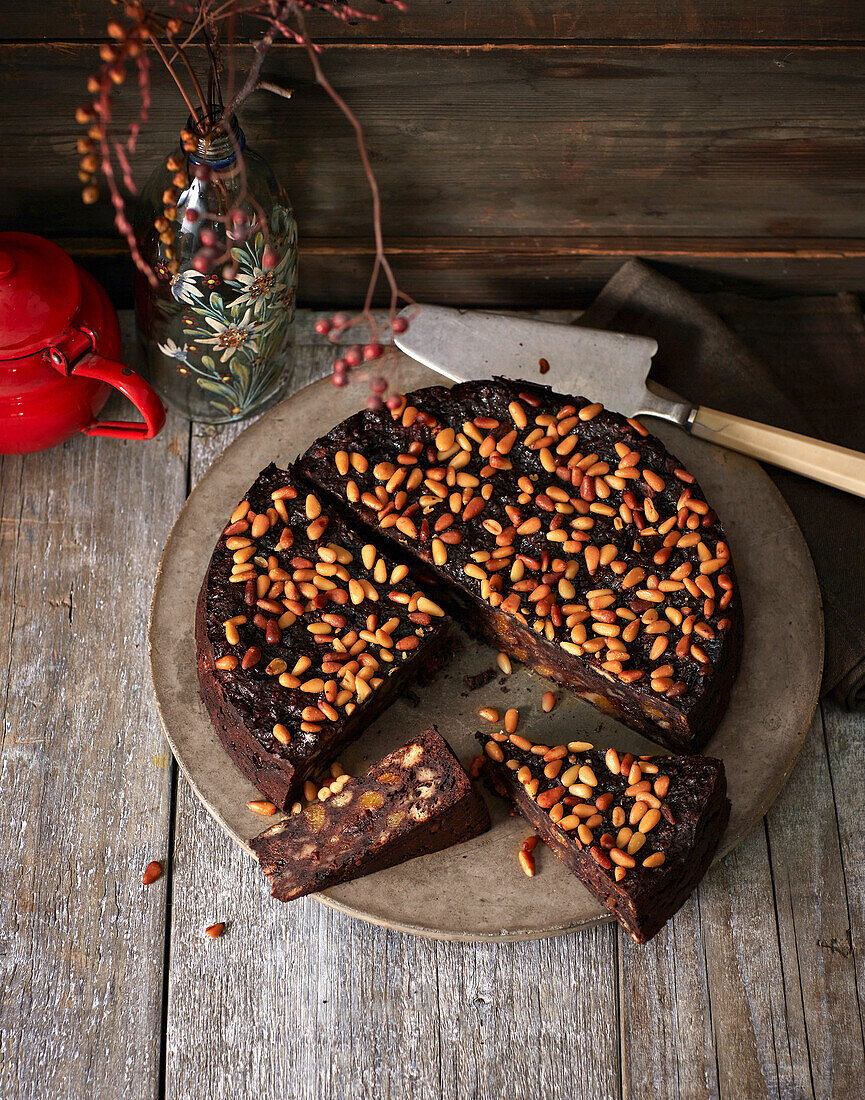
(640, 832)
(416, 800)
(305, 633)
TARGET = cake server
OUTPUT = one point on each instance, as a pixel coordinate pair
(611, 367)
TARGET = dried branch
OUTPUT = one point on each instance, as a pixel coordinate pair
(207, 19)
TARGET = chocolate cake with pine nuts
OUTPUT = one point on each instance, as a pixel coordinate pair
(305, 633)
(563, 533)
(639, 832)
(415, 801)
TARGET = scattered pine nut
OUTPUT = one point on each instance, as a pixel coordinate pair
(527, 862)
(260, 806)
(504, 663)
(152, 872)
(512, 718)
(548, 701)
(489, 713)
(215, 930)
(476, 767)
(530, 843)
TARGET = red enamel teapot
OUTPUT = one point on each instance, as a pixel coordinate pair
(59, 343)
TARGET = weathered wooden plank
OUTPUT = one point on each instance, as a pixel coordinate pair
(667, 1018)
(845, 743)
(505, 272)
(84, 772)
(499, 278)
(529, 1020)
(825, 1035)
(703, 1010)
(751, 989)
(436, 20)
(548, 141)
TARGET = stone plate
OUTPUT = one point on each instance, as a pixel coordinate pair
(476, 891)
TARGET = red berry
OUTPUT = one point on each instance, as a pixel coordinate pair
(191, 215)
(373, 351)
(400, 324)
(201, 261)
(269, 259)
(338, 380)
(374, 402)
(378, 385)
(352, 357)
(339, 321)
(339, 366)
(322, 326)
(393, 402)
(208, 237)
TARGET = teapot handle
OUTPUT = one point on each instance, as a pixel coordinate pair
(131, 385)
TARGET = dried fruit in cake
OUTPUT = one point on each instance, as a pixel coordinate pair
(416, 800)
(305, 633)
(639, 832)
(563, 533)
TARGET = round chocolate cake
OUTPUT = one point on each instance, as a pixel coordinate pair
(563, 533)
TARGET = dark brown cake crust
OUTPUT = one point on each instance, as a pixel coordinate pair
(561, 532)
(280, 721)
(415, 801)
(639, 833)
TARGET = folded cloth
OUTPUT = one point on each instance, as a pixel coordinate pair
(798, 363)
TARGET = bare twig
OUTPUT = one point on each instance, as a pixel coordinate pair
(158, 47)
(276, 89)
(259, 54)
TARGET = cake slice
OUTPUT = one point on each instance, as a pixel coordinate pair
(305, 633)
(639, 832)
(563, 533)
(416, 800)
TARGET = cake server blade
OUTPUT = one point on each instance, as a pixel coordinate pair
(467, 345)
(612, 368)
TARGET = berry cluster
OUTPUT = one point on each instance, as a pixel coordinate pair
(356, 355)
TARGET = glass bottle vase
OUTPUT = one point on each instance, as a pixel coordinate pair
(219, 233)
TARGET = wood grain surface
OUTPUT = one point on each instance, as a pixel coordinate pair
(532, 156)
(755, 989)
(443, 20)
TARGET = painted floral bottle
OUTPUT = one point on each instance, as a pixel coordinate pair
(219, 233)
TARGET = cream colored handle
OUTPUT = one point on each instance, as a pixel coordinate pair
(838, 466)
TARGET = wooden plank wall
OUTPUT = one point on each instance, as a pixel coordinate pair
(523, 149)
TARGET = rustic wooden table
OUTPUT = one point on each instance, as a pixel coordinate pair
(112, 989)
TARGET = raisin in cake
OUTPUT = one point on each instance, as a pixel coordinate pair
(563, 533)
(640, 832)
(305, 633)
(416, 800)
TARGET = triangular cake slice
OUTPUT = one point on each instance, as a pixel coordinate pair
(416, 800)
(305, 633)
(639, 832)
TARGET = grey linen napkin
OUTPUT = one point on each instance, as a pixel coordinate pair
(798, 363)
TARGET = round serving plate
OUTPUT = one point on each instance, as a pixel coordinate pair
(476, 890)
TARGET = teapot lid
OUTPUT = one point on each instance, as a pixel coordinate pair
(40, 293)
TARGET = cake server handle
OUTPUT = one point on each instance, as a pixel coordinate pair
(825, 462)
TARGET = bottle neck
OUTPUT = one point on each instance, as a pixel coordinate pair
(217, 146)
